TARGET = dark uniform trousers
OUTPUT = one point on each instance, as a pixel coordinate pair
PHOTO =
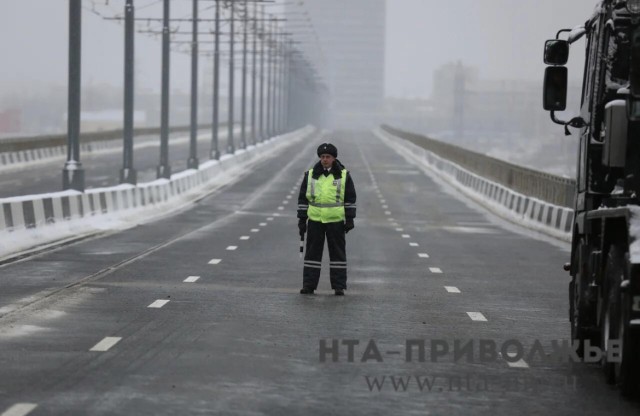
(335, 235)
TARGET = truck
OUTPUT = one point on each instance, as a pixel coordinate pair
(604, 290)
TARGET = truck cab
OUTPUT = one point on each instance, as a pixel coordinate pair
(604, 292)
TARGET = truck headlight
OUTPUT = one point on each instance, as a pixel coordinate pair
(633, 6)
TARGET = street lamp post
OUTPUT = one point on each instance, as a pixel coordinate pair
(263, 41)
(215, 150)
(128, 173)
(243, 135)
(254, 71)
(72, 173)
(230, 145)
(164, 169)
(192, 162)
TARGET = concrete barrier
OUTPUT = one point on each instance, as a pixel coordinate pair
(15, 152)
(34, 220)
(525, 210)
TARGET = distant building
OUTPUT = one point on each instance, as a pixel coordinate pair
(10, 121)
(352, 38)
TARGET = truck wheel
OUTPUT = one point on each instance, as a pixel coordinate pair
(579, 308)
(628, 370)
(609, 324)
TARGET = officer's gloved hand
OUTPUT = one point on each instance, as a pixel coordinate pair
(348, 225)
(302, 226)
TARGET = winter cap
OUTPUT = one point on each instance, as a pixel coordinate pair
(327, 149)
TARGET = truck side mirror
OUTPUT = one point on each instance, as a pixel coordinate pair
(556, 52)
(555, 88)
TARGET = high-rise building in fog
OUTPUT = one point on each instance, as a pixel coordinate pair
(351, 34)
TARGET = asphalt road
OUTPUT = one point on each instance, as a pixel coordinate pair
(102, 168)
(199, 312)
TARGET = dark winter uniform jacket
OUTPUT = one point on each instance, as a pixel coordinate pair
(349, 191)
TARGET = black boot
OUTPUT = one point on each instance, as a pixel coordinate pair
(339, 292)
(306, 291)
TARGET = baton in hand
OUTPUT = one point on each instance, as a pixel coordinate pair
(301, 244)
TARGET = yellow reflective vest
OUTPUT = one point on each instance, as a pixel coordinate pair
(326, 197)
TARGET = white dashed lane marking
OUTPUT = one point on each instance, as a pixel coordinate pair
(285, 202)
(435, 270)
(423, 255)
(215, 261)
(192, 279)
(387, 213)
(270, 219)
(477, 316)
(280, 208)
(385, 207)
(105, 344)
(263, 224)
(158, 303)
(406, 236)
(383, 201)
(245, 237)
(19, 409)
(289, 197)
(231, 248)
(414, 244)
(255, 230)
(452, 289)
(400, 229)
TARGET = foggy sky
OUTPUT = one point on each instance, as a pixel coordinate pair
(502, 38)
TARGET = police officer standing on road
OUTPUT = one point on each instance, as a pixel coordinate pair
(328, 200)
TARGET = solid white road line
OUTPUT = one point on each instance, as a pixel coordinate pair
(192, 279)
(215, 261)
(414, 244)
(452, 289)
(158, 303)
(245, 237)
(435, 270)
(19, 409)
(105, 344)
(231, 248)
(477, 316)
(423, 255)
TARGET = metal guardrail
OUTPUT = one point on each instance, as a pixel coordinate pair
(546, 187)
(41, 142)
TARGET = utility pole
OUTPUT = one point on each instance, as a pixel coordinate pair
(230, 145)
(192, 162)
(254, 71)
(263, 41)
(243, 136)
(269, 81)
(164, 169)
(128, 173)
(72, 173)
(215, 150)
